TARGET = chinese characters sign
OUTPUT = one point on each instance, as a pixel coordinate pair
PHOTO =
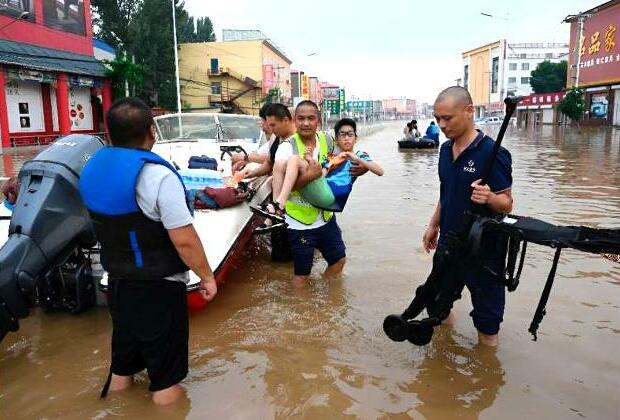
(595, 50)
(542, 99)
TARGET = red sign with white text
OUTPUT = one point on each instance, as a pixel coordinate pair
(551, 98)
(598, 47)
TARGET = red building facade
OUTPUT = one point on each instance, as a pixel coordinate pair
(51, 84)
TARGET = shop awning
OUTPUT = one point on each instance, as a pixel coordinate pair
(47, 59)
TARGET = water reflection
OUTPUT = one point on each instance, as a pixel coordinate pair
(455, 378)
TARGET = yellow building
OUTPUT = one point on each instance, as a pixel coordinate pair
(480, 74)
(233, 76)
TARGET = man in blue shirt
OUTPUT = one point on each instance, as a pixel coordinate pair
(432, 132)
(461, 162)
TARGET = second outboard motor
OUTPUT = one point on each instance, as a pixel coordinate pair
(49, 221)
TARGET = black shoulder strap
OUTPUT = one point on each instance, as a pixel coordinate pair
(273, 149)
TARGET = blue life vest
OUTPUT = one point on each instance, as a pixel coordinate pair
(132, 245)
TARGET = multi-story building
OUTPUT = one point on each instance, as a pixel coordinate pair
(400, 107)
(594, 62)
(51, 84)
(315, 92)
(234, 75)
(521, 59)
(496, 70)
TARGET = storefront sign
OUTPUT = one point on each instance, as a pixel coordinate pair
(305, 89)
(542, 99)
(342, 99)
(330, 92)
(29, 75)
(83, 81)
(597, 47)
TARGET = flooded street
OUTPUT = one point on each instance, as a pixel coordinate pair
(264, 349)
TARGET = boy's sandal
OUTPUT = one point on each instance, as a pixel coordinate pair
(275, 213)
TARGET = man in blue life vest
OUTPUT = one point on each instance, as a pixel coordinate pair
(142, 221)
(461, 161)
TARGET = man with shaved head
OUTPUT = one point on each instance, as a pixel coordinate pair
(461, 162)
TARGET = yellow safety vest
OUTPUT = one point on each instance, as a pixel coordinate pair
(296, 207)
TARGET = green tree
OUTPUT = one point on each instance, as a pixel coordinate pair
(573, 105)
(549, 77)
(142, 30)
(112, 21)
(124, 74)
(200, 30)
(204, 30)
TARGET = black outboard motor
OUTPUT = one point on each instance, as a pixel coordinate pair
(49, 223)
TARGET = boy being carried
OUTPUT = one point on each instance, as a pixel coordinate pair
(331, 190)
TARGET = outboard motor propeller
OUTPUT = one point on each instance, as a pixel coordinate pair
(49, 221)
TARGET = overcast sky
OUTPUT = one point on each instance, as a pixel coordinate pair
(391, 48)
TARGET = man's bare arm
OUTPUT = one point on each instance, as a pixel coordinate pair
(187, 243)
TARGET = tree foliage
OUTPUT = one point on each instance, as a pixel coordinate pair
(549, 77)
(200, 30)
(142, 31)
(124, 74)
(573, 105)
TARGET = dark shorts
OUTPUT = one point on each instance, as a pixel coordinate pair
(327, 239)
(488, 298)
(150, 330)
(488, 295)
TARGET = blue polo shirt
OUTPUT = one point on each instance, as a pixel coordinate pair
(456, 177)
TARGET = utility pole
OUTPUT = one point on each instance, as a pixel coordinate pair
(582, 17)
(176, 55)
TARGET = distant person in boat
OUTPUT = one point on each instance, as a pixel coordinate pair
(415, 133)
(330, 191)
(461, 161)
(239, 160)
(407, 130)
(148, 242)
(432, 132)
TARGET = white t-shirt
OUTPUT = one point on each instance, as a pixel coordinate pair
(285, 151)
(263, 150)
(161, 197)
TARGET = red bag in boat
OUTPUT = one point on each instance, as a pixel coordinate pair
(9, 189)
(226, 197)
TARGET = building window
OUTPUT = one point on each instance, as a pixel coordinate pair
(525, 80)
(525, 66)
(216, 88)
(549, 55)
(466, 77)
(494, 74)
(512, 66)
(512, 80)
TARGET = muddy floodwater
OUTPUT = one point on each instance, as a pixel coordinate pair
(264, 349)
